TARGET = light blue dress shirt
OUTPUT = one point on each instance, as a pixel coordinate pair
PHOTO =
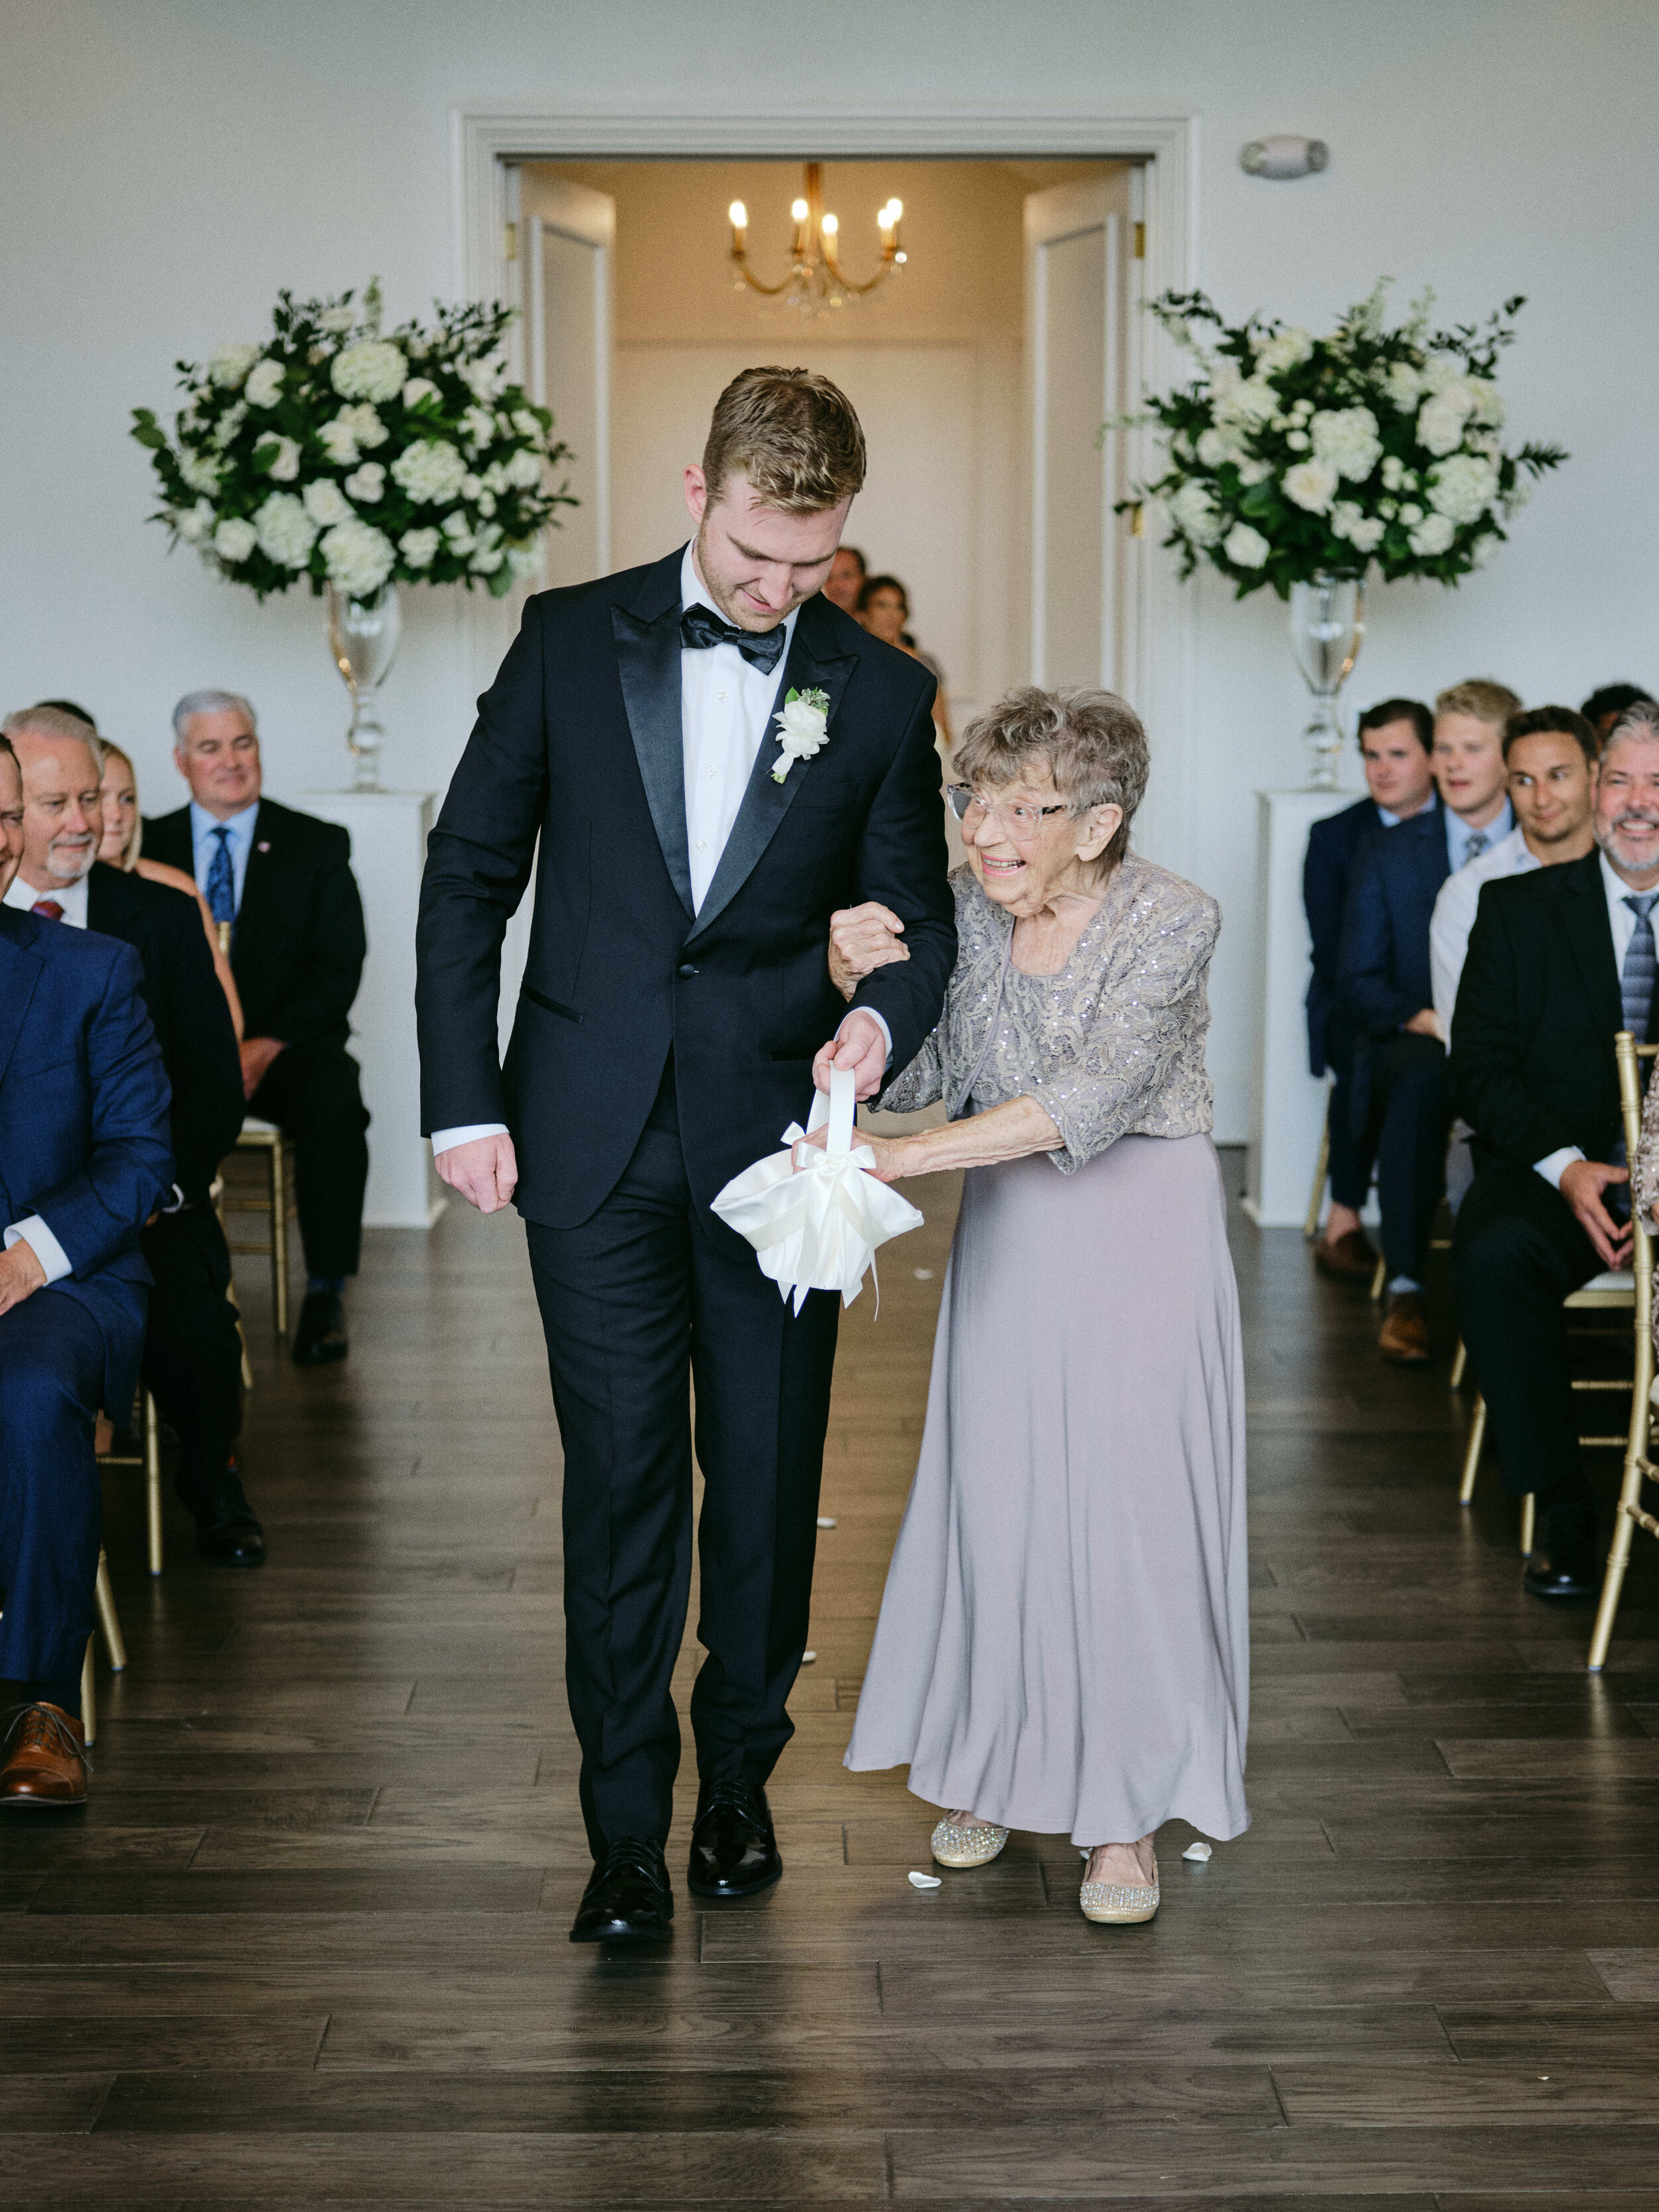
(1458, 833)
(205, 844)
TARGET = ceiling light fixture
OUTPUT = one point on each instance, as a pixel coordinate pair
(816, 282)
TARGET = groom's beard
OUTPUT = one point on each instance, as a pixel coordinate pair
(726, 600)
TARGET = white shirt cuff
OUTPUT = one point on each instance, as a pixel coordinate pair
(880, 1021)
(1552, 1168)
(47, 1250)
(445, 1140)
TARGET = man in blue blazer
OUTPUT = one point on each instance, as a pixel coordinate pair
(84, 1161)
(1394, 738)
(1385, 988)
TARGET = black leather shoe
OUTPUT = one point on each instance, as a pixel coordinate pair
(627, 1899)
(733, 1850)
(1562, 1574)
(225, 1529)
(320, 1338)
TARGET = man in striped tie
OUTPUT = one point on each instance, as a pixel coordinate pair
(1558, 961)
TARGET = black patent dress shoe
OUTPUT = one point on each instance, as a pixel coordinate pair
(627, 1898)
(321, 1338)
(733, 1850)
(1561, 1574)
(227, 1531)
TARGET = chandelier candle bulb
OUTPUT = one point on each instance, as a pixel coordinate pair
(815, 282)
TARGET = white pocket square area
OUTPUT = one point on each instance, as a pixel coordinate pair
(817, 1230)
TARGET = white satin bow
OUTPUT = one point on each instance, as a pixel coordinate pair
(816, 1229)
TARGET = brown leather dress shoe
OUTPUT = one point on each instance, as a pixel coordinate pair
(45, 1767)
(1351, 1259)
(1405, 1333)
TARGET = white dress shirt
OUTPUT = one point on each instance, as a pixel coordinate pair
(72, 897)
(1622, 922)
(204, 845)
(725, 703)
(1459, 832)
(32, 1231)
(1454, 911)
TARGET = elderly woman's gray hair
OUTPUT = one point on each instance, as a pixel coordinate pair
(1091, 742)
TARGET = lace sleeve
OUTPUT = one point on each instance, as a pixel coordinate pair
(920, 1086)
(1644, 1168)
(1125, 1038)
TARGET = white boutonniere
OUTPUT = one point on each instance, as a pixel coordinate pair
(803, 727)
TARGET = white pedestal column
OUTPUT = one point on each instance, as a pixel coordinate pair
(1287, 1104)
(388, 851)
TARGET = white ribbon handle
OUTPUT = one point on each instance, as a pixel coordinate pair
(838, 1110)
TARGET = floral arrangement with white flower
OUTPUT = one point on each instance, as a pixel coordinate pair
(1291, 457)
(358, 459)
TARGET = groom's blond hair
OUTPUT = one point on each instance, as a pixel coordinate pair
(794, 434)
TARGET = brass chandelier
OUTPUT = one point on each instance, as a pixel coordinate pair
(816, 282)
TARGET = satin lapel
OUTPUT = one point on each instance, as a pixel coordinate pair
(812, 664)
(649, 662)
(1584, 917)
(20, 971)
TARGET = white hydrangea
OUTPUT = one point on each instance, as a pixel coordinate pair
(457, 532)
(325, 504)
(1215, 447)
(284, 464)
(486, 501)
(234, 540)
(229, 424)
(525, 558)
(1246, 547)
(263, 387)
(477, 428)
(337, 319)
(431, 471)
(286, 533)
(1411, 512)
(1442, 416)
(418, 547)
(526, 423)
(1255, 472)
(1289, 349)
(367, 484)
(417, 389)
(1394, 472)
(1298, 441)
(193, 523)
(1404, 387)
(1488, 406)
(524, 470)
(1195, 515)
(486, 561)
(472, 487)
(1312, 484)
(1432, 535)
(1463, 488)
(229, 364)
(339, 441)
(365, 426)
(200, 471)
(373, 369)
(359, 557)
(1346, 439)
(1247, 406)
(484, 379)
(1363, 531)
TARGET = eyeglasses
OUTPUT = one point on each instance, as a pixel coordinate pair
(1016, 818)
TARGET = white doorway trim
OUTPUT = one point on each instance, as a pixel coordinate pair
(484, 143)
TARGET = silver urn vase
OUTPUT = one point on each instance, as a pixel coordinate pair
(1328, 622)
(362, 636)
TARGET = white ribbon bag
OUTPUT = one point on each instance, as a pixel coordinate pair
(817, 1230)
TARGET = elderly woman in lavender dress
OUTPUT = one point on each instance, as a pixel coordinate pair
(1063, 1642)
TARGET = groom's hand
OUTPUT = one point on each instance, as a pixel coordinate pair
(858, 1044)
(484, 1171)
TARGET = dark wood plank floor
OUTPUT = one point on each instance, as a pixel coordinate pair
(307, 1946)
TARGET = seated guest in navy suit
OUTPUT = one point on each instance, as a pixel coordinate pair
(1604, 705)
(1385, 987)
(192, 1351)
(1560, 960)
(83, 1163)
(1394, 738)
(282, 883)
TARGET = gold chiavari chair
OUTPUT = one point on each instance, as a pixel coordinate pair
(115, 1646)
(1638, 1467)
(277, 1201)
(148, 1457)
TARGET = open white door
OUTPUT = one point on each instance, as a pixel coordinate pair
(568, 240)
(1081, 285)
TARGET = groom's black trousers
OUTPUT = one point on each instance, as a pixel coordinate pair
(648, 1296)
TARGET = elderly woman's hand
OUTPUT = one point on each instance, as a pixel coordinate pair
(890, 1152)
(862, 940)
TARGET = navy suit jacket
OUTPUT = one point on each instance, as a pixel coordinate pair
(1383, 968)
(1332, 845)
(578, 746)
(83, 1121)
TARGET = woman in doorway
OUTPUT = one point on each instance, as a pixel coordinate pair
(1063, 1641)
(883, 608)
(122, 848)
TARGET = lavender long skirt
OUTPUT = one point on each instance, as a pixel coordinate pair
(1064, 1641)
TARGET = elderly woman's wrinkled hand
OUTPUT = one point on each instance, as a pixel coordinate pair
(862, 940)
(889, 1164)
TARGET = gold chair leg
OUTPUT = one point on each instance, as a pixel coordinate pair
(114, 1644)
(279, 1234)
(1380, 1279)
(1528, 1516)
(152, 1483)
(1460, 1361)
(1310, 1227)
(1472, 1456)
(88, 1697)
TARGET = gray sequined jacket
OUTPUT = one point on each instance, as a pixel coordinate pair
(1111, 1046)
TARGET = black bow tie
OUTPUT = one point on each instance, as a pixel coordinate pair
(701, 626)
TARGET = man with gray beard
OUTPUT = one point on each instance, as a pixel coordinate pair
(1558, 963)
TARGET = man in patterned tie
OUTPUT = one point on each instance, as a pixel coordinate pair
(1557, 962)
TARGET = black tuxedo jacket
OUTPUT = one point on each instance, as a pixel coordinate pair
(297, 952)
(188, 1011)
(1325, 868)
(579, 741)
(1538, 1007)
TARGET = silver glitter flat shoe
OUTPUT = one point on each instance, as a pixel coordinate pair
(1118, 1903)
(957, 1846)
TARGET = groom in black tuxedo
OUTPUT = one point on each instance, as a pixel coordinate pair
(675, 1013)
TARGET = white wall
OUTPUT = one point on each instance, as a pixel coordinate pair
(169, 163)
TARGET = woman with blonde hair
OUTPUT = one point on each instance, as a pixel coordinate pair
(122, 848)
